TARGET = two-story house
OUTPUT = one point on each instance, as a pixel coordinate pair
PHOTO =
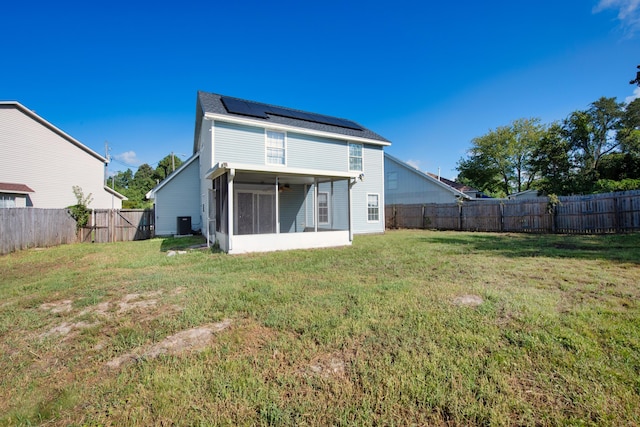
(40, 164)
(266, 178)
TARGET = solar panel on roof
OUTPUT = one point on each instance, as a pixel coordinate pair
(256, 109)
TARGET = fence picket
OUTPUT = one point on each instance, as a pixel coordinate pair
(591, 214)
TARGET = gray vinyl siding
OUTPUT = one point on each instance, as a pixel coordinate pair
(292, 206)
(413, 187)
(312, 152)
(39, 156)
(179, 197)
(373, 183)
(338, 204)
(236, 143)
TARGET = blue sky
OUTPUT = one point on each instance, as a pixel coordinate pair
(429, 76)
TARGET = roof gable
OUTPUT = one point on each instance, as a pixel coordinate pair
(225, 107)
(51, 127)
(426, 176)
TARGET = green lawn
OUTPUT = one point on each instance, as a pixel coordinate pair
(373, 334)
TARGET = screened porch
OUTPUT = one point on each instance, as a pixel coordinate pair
(255, 211)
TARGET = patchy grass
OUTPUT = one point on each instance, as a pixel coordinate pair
(412, 327)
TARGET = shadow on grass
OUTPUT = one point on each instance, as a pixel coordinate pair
(619, 247)
(182, 243)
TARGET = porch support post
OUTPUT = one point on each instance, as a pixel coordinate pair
(350, 185)
(277, 206)
(315, 204)
(232, 174)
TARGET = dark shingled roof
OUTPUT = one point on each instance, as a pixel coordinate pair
(211, 103)
(458, 186)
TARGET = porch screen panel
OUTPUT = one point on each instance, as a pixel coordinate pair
(266, 213)
(222, 211)
(245, 216)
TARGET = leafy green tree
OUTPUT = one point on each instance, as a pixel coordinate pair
(592, 133)
(629, 134)
(499, 162)
(552, 162)
(80, 211)
(167, 165)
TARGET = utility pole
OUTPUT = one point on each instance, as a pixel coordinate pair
(173, 162)
(106, 165)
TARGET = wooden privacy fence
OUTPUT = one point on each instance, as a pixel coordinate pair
(118, 225)
(22, 228)
(592, 214)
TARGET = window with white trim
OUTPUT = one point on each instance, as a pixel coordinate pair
(373, 208)
(355, 157)
(276, 148)
(323, 208)
(7, 201)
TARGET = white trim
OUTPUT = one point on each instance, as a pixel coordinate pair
(284, 128)
(55, 129)
(349, 144)
(266, 147)
(328, 208)
(152, 193)
(220, 168)
(247, 243)
(367, 204)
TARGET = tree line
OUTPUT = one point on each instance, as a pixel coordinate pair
(591, 151)
(136, 185)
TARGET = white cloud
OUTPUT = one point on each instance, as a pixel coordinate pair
(628, 13)
(128, 157)
(636, 94)
(414, 163)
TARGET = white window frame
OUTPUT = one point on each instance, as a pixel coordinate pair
(267, 147)
(7, 201)
(377, 207)
(349, 156)
(328, 221)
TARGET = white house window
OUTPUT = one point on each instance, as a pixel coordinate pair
(355, 157)
(392, 180)
(275, 148)
(7, 201)
(373, 208)
(323, 208)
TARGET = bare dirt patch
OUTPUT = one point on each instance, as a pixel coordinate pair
(195, 339)
(468, 300)
(63, 306)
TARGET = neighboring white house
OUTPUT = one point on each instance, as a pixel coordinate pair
(40, 164)
(406, 185)
(273, 178)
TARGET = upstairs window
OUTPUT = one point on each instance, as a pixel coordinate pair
(275, 148)
(355, 157)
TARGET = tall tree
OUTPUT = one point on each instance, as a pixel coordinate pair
(167, 165)
(499, 162)
(552, 162)
(629, 134)
(592, 133)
